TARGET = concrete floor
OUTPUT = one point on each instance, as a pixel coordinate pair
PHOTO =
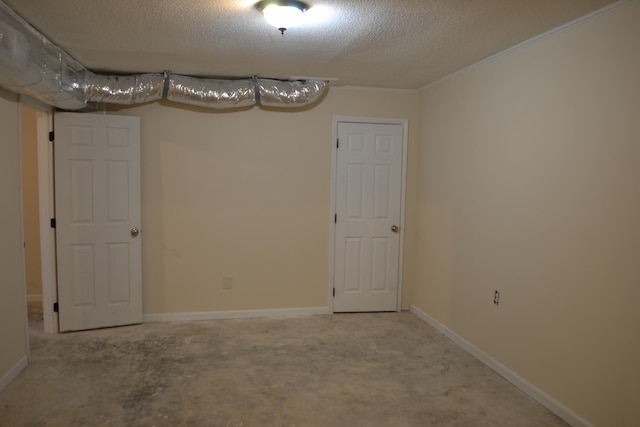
(387, 369)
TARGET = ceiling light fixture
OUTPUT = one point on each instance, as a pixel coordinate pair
(282, 14)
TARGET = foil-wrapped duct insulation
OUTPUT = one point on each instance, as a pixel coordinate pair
(276, 93)
(32, 65)
(211, 93)
(133, 89)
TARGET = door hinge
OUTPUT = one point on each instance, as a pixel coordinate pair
(334, 292)
(337, 142)
(52, 136)
(335, 218)
(53, 223)
(55, 307)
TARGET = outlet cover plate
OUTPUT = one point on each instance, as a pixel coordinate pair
(227, 282)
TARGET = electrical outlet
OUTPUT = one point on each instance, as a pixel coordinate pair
(227, 282)
(496, 297)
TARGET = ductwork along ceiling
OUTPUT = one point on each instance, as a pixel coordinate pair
(30, 64)
(117, 51)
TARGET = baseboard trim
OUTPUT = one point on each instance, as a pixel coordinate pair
(13, 372)
(526, 387)
(34, 298)
(240, 314)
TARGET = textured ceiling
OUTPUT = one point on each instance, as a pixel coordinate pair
(404, 44)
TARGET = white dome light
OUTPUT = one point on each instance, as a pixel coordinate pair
(282, 14)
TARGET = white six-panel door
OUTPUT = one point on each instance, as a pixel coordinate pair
(97, 191)
(368, 215)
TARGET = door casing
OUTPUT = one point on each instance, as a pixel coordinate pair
(47, 211)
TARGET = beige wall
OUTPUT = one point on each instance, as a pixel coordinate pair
(529, 183)
(526, 180)
(13, 331)
(30, 203)
(247, 194)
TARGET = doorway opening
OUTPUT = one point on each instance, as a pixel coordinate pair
(38, 206)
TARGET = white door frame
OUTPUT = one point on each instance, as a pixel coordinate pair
(334, 173)
(46, 203)
(47, 211)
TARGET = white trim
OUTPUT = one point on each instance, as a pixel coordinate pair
(403, 204)
(332, 226)
(373, 120)
(240, 314)
(525, 386)
(22, 223)
(332, 207)
(536, 39)
(34, 298)
(13, 372)
(47, 234)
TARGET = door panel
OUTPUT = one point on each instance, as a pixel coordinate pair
(97, 183)
(83, 274)
(368, 203)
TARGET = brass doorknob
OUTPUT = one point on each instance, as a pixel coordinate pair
(395, 228)
(135, 232)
